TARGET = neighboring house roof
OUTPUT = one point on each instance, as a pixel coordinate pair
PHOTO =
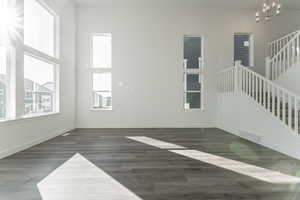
(49, 86)
(30, 85)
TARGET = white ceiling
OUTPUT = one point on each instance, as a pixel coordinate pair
(250, 4)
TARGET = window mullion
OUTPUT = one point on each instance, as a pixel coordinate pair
(40, 55)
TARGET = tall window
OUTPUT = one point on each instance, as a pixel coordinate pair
(40, 59)
(39, 25)
(101, 71)
(101, 50)
(193, 72)
(39, 86)
(243, 48)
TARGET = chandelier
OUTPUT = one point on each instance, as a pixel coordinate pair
(270, 8)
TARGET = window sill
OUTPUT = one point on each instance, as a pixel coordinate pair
(28, 117)
(195, 109)
(98, 67)
(101, 109)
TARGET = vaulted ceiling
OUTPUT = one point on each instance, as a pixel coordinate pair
(250, 4)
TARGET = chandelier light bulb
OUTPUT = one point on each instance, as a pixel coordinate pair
(277, 12)
(269, 9)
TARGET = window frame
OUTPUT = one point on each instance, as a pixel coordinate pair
(96, 70)
(53, 60)
(56, 80)
(199, 71)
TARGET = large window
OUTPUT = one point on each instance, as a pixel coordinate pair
(101, 50)
(39, 83)
(40, 59)
(101, 71)
(193, 72)
(39, 27)
(243, 48)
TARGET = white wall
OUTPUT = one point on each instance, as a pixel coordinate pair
(22, 133)
(290, 80)
(287, 22)
(266, 31)
(147, 59)
(244, 117)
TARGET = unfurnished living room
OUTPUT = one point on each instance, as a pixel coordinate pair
(149, 100)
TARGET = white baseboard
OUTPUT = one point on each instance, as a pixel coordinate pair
(229, 130)
(254, 137)
(10, 151)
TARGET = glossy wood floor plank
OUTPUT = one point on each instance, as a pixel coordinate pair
(150, 172)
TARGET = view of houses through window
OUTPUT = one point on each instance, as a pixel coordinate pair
(102, 90)
(39, 86)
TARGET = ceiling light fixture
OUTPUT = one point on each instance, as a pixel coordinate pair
(270, 8)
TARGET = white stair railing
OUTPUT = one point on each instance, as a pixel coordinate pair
(276, 45)
(279, 102)
(284, 59)
(226, 80)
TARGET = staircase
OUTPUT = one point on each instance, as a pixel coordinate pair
(284, 54)
(258, 108)
(281, 104)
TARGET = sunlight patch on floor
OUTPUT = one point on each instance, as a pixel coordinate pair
(79, 179)
(253, 171)
(239, 167)
(156, 143)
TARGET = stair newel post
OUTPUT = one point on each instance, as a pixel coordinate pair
(237, 81)
(268, 68)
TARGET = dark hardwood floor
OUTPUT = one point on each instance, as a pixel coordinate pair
(150, 172)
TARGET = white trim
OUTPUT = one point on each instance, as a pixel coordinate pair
(27, 117)
(10, 151)
(40, 55)
(251, 50)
